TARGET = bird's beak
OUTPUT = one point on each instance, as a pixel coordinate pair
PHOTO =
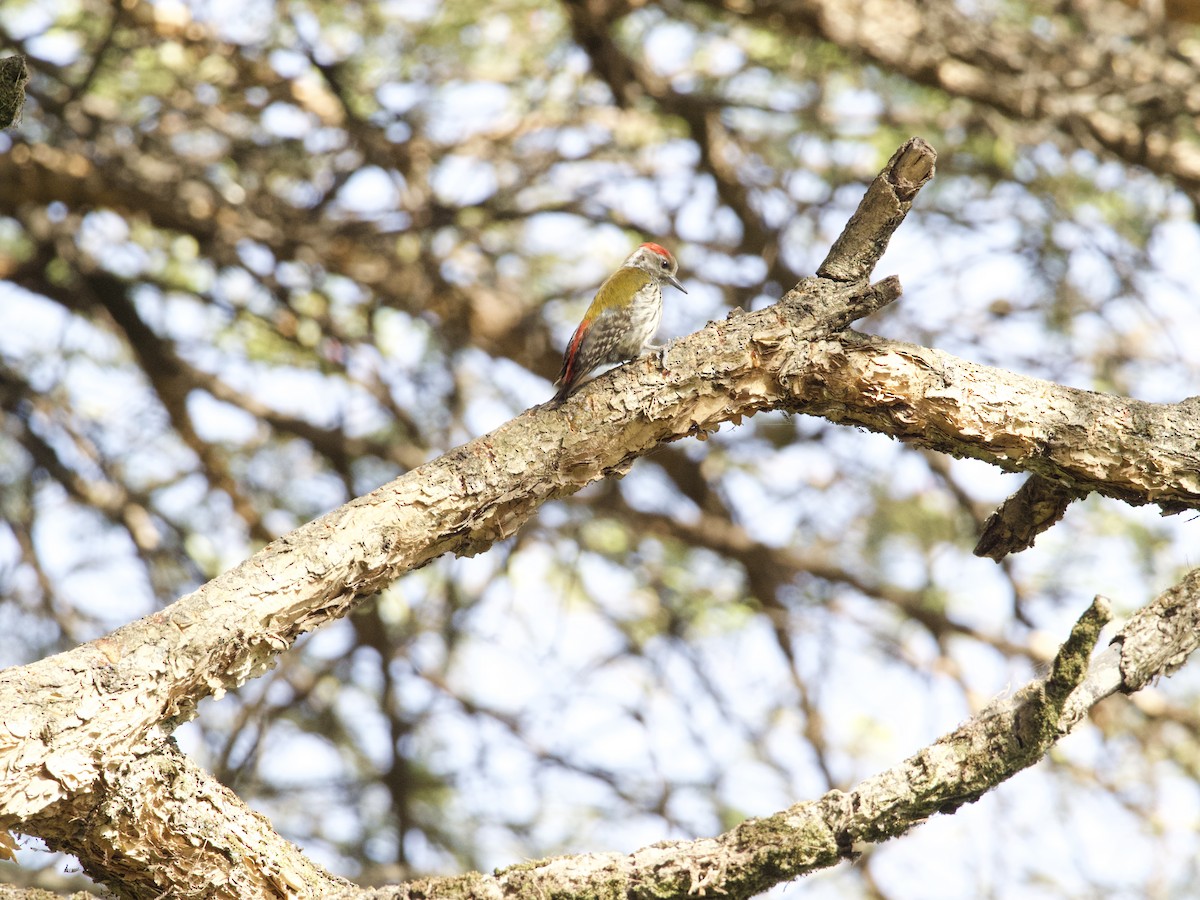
(675, 281)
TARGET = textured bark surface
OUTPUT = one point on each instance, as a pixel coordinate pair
(1036, 506)
(167, 828)
(118, 694)
(1127, 449)
(13, 76)
(888, 199)
(85, 760)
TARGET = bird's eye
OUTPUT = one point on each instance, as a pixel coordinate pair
(666, 264)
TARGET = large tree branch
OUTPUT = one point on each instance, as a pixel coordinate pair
(1009, 735)
(1128, 449)
(76, 728)
(114, 692)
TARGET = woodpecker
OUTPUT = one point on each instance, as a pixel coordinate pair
(622, 318)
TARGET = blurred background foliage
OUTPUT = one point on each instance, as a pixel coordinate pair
(256, 258)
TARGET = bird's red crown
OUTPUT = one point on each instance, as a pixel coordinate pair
(656, 248)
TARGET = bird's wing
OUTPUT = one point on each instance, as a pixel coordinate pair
(625, 282)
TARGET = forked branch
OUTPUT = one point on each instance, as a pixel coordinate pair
(84, 759)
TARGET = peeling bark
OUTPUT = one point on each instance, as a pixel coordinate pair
(1036, 506)
(84, 758)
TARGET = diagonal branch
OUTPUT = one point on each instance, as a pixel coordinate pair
(80, 731)
(231, 629)
(1009, 735)
(1036, 505)
(75, 729)
(888, 199)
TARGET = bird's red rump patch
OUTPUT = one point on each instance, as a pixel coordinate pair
(572, 356)
(656, 248)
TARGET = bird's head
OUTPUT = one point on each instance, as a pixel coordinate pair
(657, 261)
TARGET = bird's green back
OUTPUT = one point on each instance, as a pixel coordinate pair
(618, 289)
